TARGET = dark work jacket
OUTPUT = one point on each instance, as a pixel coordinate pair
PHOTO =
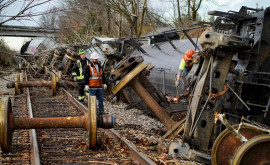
(76, 70)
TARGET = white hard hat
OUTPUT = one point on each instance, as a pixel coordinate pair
(94, 56)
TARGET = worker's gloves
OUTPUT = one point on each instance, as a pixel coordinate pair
(75, 79)
(176, 84)
(105, 86)
(86, 88)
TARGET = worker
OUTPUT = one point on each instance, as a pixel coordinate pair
(94, 80)
(185, 65)
(78, 73)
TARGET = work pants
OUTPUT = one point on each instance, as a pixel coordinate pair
(81, 91)
(98, 92)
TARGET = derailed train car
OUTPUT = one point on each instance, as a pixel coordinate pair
(164, 52)
(233, 87)
(227, 120)
(228, 110)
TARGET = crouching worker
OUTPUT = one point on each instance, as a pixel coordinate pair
(78, 73)
(185, 65)
(94, 78)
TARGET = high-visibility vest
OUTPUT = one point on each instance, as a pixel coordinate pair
(80, 76)
(95, 78)
(188, 62)
(185, 63)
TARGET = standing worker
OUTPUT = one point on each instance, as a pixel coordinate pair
(94, 78)
(78, 73)
(185, 65)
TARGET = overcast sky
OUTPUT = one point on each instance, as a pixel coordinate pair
(222, 5)
(164, 5)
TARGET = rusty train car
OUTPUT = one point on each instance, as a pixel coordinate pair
(227, 116)
(227, 120)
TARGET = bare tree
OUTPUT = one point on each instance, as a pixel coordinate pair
(133, 11)
(83, 20)
(50, 20)
(188, 8)
(27, 10)
(178, 11)
(196, 4)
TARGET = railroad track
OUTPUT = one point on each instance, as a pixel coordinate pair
(64, 145)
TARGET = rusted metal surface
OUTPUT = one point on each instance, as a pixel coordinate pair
(155, 93)
(10, 123)
(152, 104)
(131, 79)
(92, 122)
(54, 122)
(125, 66)
(20, 153)
(18, 85)
(65, 146)
(68, 60)
(235, 54)
(105, 121)
(34, 84)
(129, 76)
(202, 118)
(255, 151)
(134, 154)
(226, 144)
(5, 131)
(54, 83)
(228, 51)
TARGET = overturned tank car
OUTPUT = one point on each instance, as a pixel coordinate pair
(228, 119)
(227, 113)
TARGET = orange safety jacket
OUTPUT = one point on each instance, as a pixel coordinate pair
(95, 78)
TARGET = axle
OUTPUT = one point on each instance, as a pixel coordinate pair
(30, 84)
(151, 103)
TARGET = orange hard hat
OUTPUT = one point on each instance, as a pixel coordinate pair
(189, 53)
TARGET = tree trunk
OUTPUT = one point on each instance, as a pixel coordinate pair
(142, 18)
(120, 27)
(195, 9)
(179, 13)
(188, 3)
(109, 21)
(194, 15)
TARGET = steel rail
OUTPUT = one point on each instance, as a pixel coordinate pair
(34, 158)
(133, 153)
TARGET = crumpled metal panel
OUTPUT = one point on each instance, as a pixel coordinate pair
(165, 60)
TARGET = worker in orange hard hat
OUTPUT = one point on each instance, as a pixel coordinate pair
(185, 65)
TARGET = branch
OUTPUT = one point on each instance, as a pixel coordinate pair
(24, 9)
